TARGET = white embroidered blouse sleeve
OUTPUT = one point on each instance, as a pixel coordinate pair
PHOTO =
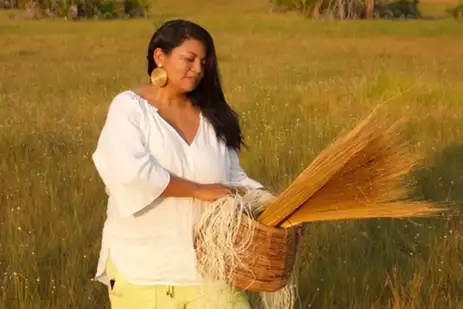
(131, 174)
(238, 175)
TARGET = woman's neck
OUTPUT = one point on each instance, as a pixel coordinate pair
(164, 97)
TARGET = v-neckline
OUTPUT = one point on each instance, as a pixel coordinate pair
(171, 128)
(176, 132)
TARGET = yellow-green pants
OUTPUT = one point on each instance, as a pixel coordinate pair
(124, 295)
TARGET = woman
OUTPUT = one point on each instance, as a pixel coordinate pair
(164, 151)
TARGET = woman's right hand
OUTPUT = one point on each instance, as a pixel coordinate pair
(211, 192)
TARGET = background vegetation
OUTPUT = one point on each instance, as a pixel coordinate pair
(296, 83)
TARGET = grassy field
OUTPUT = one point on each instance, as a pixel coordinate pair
(296, 84)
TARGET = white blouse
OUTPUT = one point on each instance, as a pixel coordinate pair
(149, 237)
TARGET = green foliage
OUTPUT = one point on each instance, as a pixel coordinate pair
(302, 6)
(132, 7)
(99, 9)
(352, 9)
(456, 11)
(398, 9)
(286, 4)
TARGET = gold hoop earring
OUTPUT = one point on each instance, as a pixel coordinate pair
(159, 77)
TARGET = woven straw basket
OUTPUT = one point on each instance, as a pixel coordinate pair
(272, 255)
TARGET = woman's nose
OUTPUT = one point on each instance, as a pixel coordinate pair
(197, 66)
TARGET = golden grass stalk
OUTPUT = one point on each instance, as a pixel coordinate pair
(358, 176)
(360, 211)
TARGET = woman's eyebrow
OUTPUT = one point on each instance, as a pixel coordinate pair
(196, 55)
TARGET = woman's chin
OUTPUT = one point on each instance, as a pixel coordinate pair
(188, 87)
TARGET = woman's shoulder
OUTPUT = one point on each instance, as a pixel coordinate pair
(126, 101)
(128, 96)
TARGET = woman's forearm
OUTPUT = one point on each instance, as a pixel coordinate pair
(179, 187)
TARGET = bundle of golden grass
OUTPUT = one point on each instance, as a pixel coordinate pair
(359, 176)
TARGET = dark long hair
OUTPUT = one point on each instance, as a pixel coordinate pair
(208, 95)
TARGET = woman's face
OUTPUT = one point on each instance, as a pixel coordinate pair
(184, 65)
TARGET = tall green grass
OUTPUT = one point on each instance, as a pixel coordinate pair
(296, 84)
